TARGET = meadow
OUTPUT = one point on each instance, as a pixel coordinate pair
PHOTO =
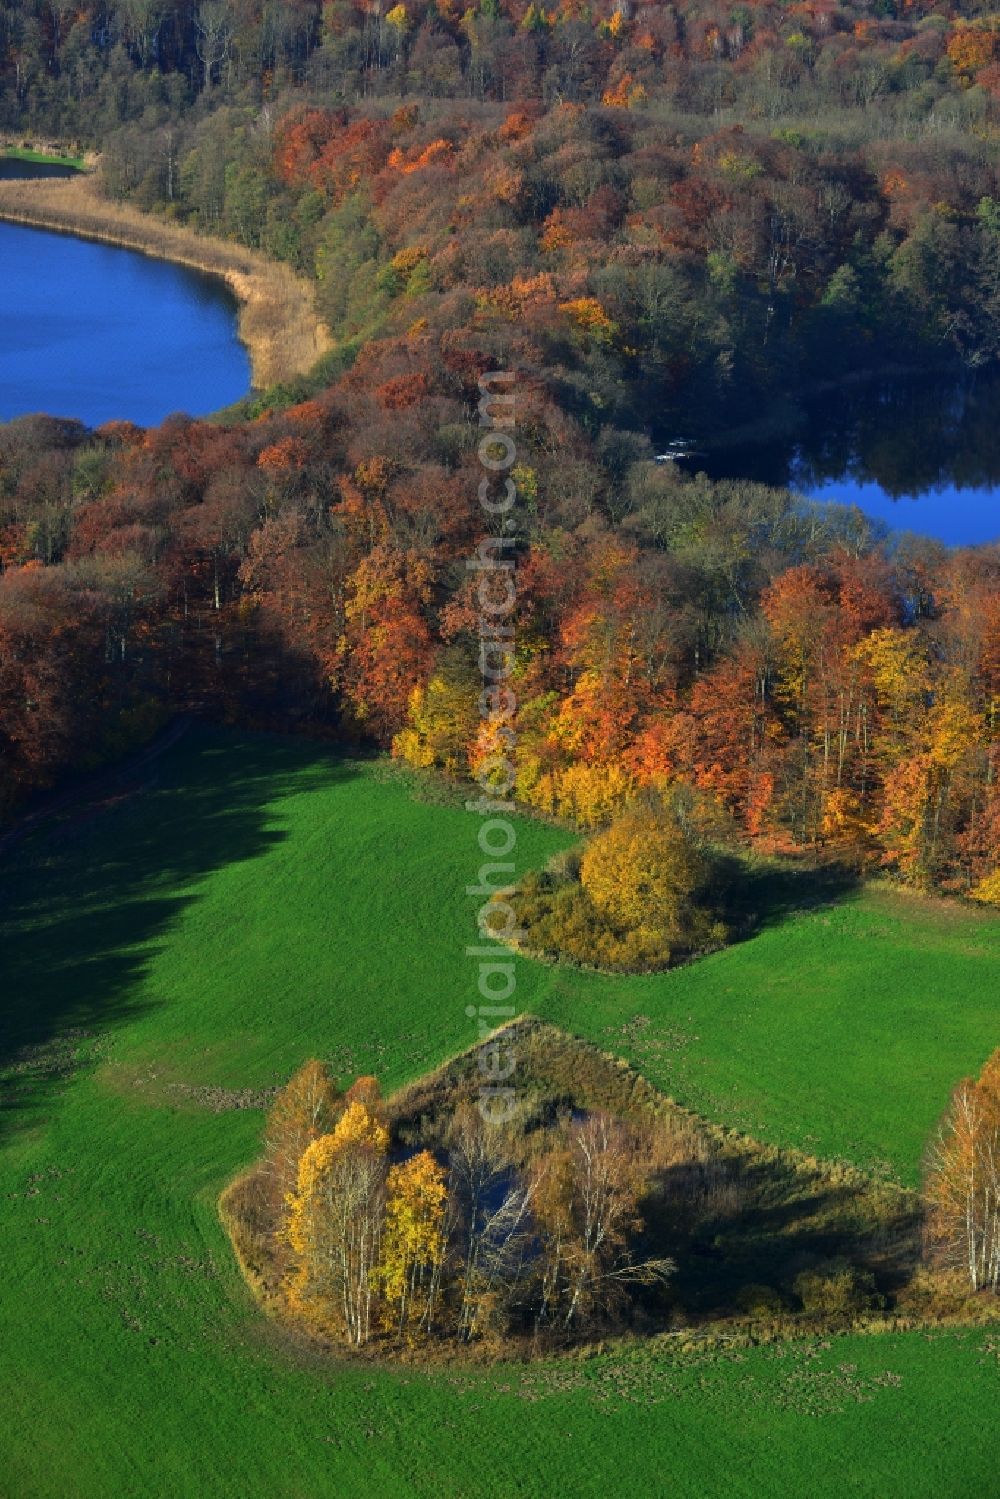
(169, 961)
(39, 157)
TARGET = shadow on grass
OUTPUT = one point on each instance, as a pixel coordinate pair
(83, 905)
(761, 1222)
(755, 897)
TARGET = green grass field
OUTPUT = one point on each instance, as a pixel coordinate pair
(263, 901)
(44, 158)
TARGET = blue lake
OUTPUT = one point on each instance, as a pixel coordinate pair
(920, 455)
(12, 166)
(99, 333)
(963, 517)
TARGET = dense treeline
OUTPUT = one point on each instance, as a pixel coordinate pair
(738, 207)
(672, 273)
(650, 255)
(309, 566)
(92, 65)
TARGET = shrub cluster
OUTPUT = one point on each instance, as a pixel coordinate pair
(643, 893)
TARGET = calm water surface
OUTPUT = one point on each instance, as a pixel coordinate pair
(95, 332)
(98, 333)
(920, 455)
(11, 166)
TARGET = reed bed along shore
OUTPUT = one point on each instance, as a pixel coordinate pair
(277, 317)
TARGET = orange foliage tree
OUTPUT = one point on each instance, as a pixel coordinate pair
(305, 1108)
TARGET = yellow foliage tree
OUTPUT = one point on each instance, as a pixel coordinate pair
(988, 889)
(643, 874)
(591, 319)
(970, 47)
(443, 720)
(413, 1242)
(843, 819)
(963, 1179)
(898, 663)
(304, 1110)
(334, 1222)
(590, 795)
(954, 729)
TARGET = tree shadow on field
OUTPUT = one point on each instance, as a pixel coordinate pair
(756, 897)
(81, 905)
(760, 1220)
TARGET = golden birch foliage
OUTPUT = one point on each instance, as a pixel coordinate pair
(843, 819)
(334, 1222)
(535, 784)
(314, 1166)
(356, 1126)
(963, 1180)
(899, 668)
(410, 744)
(590, 795)
(988, 889)
(413, 1240)
(359, 1125)
(954, 729)
(443, 721)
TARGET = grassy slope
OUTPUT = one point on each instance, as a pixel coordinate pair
(263, 902)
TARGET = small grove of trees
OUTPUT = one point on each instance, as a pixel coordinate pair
(650, 873)
(335, 1219)
(494, 1233)
(641, 895)
(586, 1190)
(963, 1180)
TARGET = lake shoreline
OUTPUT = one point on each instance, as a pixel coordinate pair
(278, 322)
(909, 445)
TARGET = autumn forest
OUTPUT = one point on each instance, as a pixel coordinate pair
(748, 729)
(551, 194)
